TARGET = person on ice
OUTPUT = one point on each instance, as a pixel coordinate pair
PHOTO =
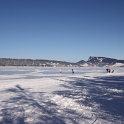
(108, 70)
(72, 71)
(60, 71)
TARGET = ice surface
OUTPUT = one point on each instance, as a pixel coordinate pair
(35, 95)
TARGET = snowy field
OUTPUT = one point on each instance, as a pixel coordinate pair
(35, 95)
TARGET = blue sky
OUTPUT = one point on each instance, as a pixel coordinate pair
(66, 30)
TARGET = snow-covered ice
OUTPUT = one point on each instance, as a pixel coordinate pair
(36, 95)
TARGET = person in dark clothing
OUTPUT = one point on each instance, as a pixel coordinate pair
(107, 69)
(72, 71)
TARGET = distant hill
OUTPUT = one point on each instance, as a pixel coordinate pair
(103, 61)
(31, 62)
(92, 61)
(82, 63)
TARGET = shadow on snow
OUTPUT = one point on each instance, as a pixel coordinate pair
(24, 108)
(104, 94)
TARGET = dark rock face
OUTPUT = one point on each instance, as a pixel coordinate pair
(103, 61)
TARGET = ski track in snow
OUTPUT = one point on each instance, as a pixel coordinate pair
(34, 95)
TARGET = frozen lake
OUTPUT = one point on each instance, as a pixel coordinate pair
(36, 95)
(56, 71)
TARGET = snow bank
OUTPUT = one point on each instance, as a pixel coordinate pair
(118, 65)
